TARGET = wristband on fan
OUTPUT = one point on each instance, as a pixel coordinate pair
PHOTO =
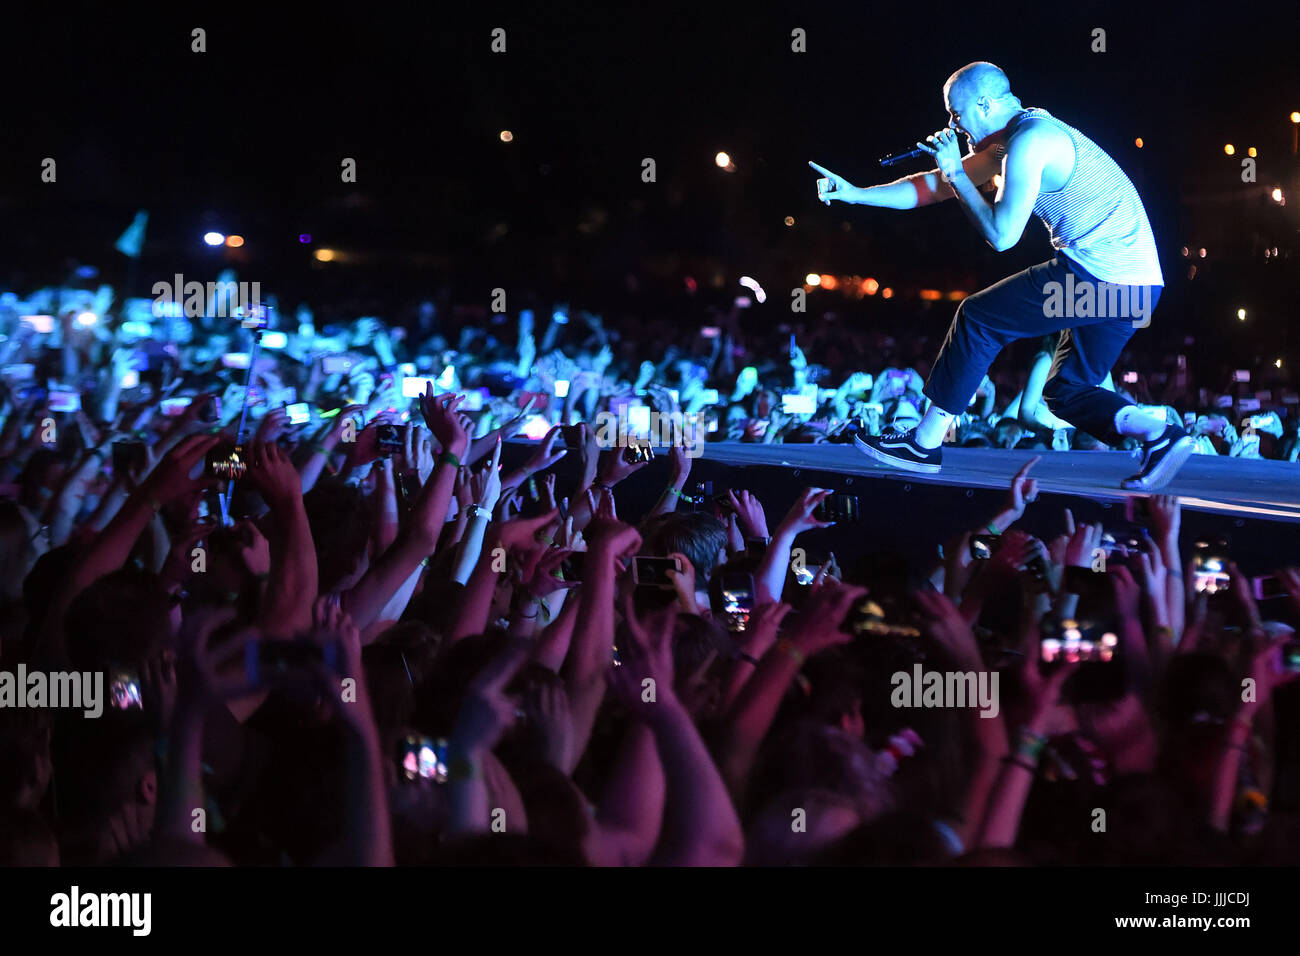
(447, 458)
(787, 646)
(1029, 746)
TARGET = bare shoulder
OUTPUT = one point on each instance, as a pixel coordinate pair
(1040, 138)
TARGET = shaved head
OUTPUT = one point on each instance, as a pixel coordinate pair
(979, 79)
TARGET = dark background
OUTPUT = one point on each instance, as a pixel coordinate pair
(248, 137)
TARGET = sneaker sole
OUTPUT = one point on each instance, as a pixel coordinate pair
(1164, 472)
(902, 463)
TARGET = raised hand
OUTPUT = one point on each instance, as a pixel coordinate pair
(270, 468)
(441, 414)
(833, 186)
(800, 516)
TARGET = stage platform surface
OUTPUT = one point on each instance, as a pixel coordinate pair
(1242, 487)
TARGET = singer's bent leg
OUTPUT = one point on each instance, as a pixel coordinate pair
(987, 322)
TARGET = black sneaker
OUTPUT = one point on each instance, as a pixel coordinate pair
(1161, 460)
(899, 448)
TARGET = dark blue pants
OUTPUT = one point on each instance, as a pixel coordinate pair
(1026, 305)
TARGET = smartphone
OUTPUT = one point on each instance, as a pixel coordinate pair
(638, 419)
(299, 413)
(129, 457)
(423, 758)
(130, 379)
(572, 435)
(709, 396)
(124, 690)
(652, 572)
(41, 324)
(561, 388)
(238, 360)
(225, 461)
(982, 546)
(737, 601)
(795, 404)
(637, 452)
(1077, 580)
(1069, 641)
(1137, 509)
(1241, 375)
(1209, 573)
(389, 439)
(65, 401)
(275, 340)
(339, 365)
(837, 508)
(23, 372)
(413, 386)
(1268, 587)
(709, 331)
(267, 660)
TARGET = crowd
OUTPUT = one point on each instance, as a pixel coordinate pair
(335, 628)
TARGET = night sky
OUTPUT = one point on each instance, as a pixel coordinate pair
(248, 137)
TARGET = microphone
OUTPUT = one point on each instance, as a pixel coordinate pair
(893, 158)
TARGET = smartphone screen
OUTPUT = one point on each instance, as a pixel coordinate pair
(652, 572)
(1209, 573)
(41, 324)
(413, 386)
(299, 413)
(737, 601)
(798, 404)
(275, 340)
(65, 401)
(339, 365)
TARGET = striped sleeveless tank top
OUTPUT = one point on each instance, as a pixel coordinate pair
(1097, 218)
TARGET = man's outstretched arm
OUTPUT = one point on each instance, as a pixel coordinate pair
(911, 192)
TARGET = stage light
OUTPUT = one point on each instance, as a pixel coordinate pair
(1138, 142)
(1295, 117)
(1229, 149)
(1202, 253)
(234, 242)
(812, 278)
(789, 220)
(304, 237)
(324, 255)
(213, 238)
(1277, 195)
(931, 295)
(870, 286)
(506, 136)
(956, 295)
(1251, 152)
(754, 287)
(1277, 364)
(722, 159)
(886, 293)
(829, 282)
(1241, 315)
(1185, 253)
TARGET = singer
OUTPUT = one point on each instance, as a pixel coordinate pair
(1104, 248)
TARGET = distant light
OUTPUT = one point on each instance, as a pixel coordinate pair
(1138, 142)
(87, 319)
(1251, 152)
(324, 255)
(234, 242)
(812, 278)
(1275, 252)
(870, 286)
(957, 295)
(1229, 149)
(931, 295)
(213, 238)
(722, 160)
(1277, 195)
(789, 220)
(1277, 364)
(1202, 252)
(1185, 253)
(829, 282)
(1267, 253)
(1295, 117)
(559, 318)
(506, 136)
(753, 286)
(691, 285)
(1241, 314)
(886, 293)
(304, 237)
